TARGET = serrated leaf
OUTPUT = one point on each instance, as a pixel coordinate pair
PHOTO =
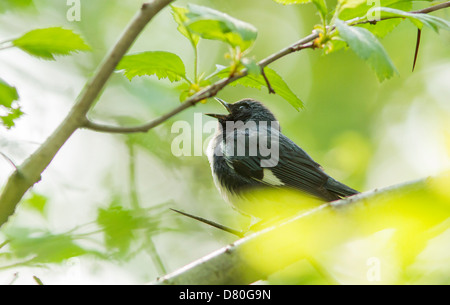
(417, 19)
(215, 25)
(179, 15)
(258, 81)
(367, 47)
(48, 42)
(8, 94)
(160, 63)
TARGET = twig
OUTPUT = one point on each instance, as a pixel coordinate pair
(422, 11)
(212, 223)
(9, 160)
(416, 52)
(38, 280)
(432, 8)
(267, 81)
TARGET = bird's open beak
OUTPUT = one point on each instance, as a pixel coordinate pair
(220, 116)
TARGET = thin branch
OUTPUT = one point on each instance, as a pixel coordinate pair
(267, 81)
(422, 11)
(9, 160)
(37, 280)
(432, 8)
(212, 223)
(416, 52)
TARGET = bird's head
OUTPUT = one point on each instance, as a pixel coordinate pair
(244, 110)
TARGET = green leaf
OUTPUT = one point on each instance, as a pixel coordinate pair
(179, 15)
(367, 47)
(257, 81)
(46, 43)
(6, 5)
(8, 94)
(359, 8)
(321, 6)
(350, 4)
(8, 120)
(118, 225)
(45, 247)
(215, 25)
(417, 19)
(160, 63)
(381, 29)
(36, 202)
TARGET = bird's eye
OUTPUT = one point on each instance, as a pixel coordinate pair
(244, 106)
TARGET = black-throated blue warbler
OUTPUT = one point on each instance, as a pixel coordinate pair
(249, 155)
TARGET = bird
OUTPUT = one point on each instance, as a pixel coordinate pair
(239, 175)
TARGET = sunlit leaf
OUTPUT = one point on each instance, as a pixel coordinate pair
(320, 4)
(6, 5)
(381, 29)
(48, 42)
(212, 24)
(160, 63)
(358, 8)
(36, 202)
(367, 46)
(8, 94)
(179, 15)
(12, 115)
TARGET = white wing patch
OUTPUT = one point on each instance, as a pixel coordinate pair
(270, 178)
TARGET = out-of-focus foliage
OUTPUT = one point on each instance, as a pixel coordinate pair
(104, 200)
(382, 240)
(8, 95)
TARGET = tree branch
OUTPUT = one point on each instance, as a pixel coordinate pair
(30, 171)
(307, 235)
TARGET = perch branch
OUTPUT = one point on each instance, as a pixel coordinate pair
(306, 235)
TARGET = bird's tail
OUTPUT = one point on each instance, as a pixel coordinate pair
(339, 188)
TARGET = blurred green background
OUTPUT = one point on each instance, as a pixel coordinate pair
(109, 195)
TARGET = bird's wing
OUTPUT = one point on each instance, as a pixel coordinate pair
(295, 169)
